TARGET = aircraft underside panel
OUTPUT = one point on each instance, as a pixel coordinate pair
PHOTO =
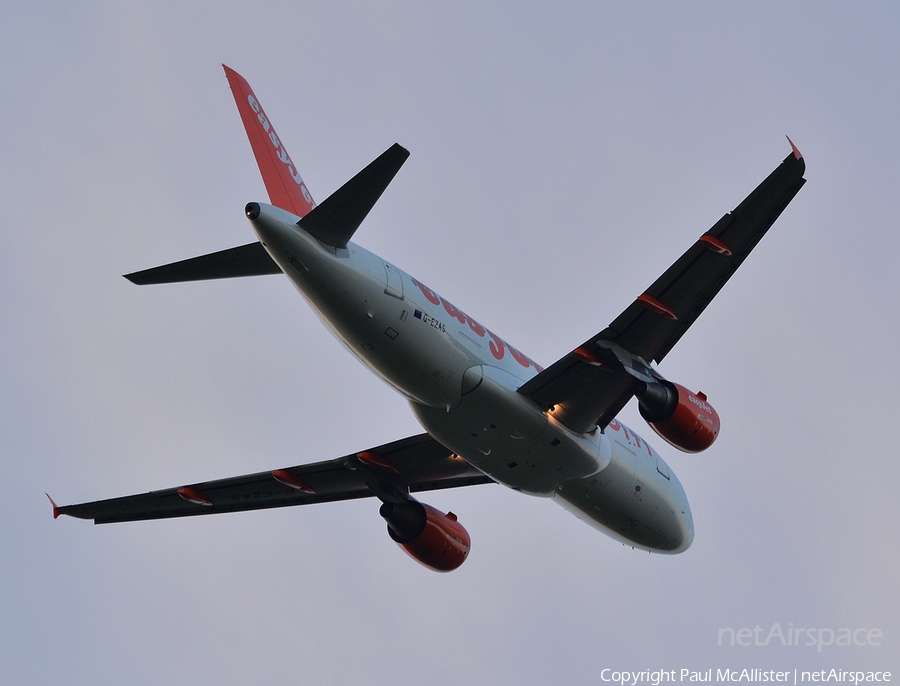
(610, 481)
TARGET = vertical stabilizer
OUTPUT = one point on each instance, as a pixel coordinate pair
(280, 175)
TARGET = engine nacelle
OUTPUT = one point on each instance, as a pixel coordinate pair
(683, 419)
(429, 536)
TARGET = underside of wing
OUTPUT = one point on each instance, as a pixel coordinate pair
(659, 317)
(390, 472)
(591, 384)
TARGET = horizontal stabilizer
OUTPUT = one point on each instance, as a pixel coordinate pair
(245, 260)
(335, 220)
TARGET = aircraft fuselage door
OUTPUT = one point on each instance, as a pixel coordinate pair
(393, 281)
(661, 466)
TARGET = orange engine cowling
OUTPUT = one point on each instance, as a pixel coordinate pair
(684, 419)
(429, 536)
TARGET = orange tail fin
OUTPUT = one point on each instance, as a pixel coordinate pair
(283, 183)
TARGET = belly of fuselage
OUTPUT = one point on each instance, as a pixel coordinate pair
(616, 484)
(366, 308)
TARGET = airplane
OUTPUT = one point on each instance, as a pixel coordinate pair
(490, 413)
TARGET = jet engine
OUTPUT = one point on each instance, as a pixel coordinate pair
(683, 419)
(430, 537)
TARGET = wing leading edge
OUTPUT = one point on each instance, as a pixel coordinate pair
(591, 384)
(390, 472)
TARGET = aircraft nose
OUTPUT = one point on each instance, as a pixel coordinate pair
(681, 535)
(686, 532)
(688, 537)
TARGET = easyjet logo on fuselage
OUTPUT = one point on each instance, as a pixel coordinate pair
(497, 345)
(630, 436)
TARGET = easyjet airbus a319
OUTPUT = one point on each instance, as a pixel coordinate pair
(490, 413)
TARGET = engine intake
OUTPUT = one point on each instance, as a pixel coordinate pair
(429, 536)
(683, 419)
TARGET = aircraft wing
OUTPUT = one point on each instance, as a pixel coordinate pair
(390, 471)
(591, 384)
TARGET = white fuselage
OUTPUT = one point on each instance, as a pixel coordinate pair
(461, 381)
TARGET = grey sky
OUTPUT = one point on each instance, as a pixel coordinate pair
(562, 158)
